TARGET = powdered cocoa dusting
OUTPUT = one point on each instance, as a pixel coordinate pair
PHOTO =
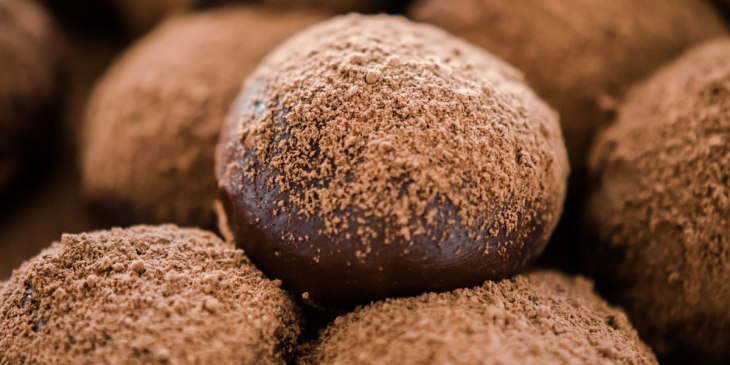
(581, 56)
(541, 318)
(153, 121)
(144, 295)
(660, 211)
(387, 117)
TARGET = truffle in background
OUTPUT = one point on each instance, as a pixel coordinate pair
(343, 6)
(371, 157)
(580, 56)
(542, 318)
(139, 16)
(29, 81)
(153, 120)
(660, 210)
(145, 295)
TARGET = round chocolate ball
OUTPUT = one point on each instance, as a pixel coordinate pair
(660, 209)
(145, 295)
(371, 157)
(541, 318)
(153, 121)
(29, 73)
(580, 56)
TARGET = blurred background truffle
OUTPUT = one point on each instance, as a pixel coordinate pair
(29, 85)
(153, 120)
(660, 210)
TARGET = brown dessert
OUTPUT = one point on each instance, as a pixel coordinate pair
(145, 295)
(660, 211)
(154, 119)
(371, 157)
(542, 318)
(342, 6)
(581, 56)
(28, 82)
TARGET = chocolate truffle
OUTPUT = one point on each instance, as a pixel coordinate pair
(28, 82)
(145, 295)
(343, 6)
(371, 157)
(153, 120)
(581, 56)
(660, 210)
(542, 318)
(139, 16)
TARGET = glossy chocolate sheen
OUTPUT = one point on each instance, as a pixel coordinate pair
(327, 268)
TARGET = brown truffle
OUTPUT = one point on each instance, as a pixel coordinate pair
(145, 295)
(139, 16)
(660, 212)
(342, 6)
(370, 157)
(542, 318)
(581, 56)
(28, 82)
(154, 119)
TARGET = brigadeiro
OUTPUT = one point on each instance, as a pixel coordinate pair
(581, 56)
(543, 318)
(371, 157)
(145, 295)
(660, 210)
(153, 120)
(29, 75)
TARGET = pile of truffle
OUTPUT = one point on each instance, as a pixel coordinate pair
(372, 189)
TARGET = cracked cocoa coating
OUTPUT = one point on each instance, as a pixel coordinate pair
(29, 78)
(145, 295)
(660, 209)
(343, 250)
(153, 120)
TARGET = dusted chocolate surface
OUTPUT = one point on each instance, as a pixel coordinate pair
(153, 121)
(660, 211)
(370, 157)
(28, 82)
(542, 318)
(145, 295)
(580, 56)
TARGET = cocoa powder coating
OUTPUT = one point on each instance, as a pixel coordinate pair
(145, 295)
(153, 120)
(371, 157)
(580, 56)
(541, 318)
(29, 70)
(660, 210)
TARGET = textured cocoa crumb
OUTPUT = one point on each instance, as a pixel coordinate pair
(580, 56)
(540, 318)
(144, 295)
(660, 211)
(387, 117)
